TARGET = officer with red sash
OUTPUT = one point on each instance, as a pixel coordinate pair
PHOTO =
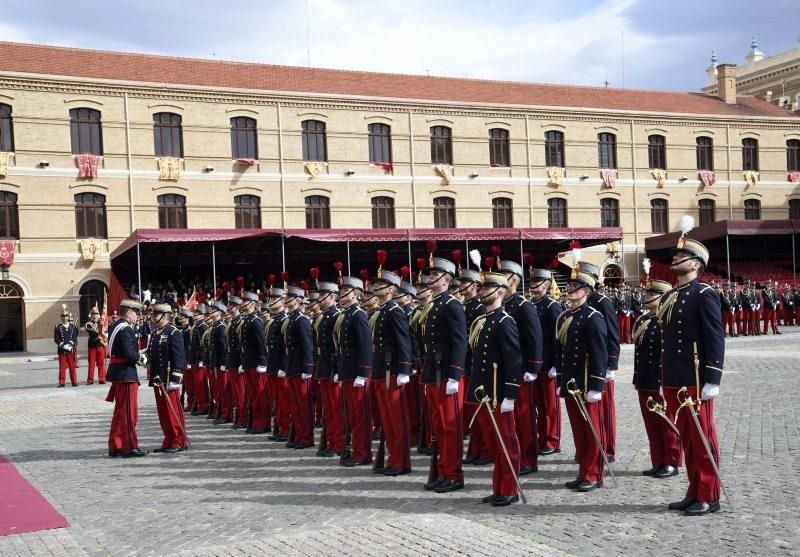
(278, 387)
(254, 362)
(97, 347)
(299, 367)
(326, 368)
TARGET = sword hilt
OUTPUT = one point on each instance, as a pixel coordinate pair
(481, 397)
(572, 387)
(654, 406)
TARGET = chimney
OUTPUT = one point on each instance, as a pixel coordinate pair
(726, 83)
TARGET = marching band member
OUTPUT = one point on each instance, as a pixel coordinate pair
(97, 348)
(65, 335)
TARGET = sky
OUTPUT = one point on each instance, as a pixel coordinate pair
(646, 44)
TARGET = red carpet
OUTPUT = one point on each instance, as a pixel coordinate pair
(22, 507)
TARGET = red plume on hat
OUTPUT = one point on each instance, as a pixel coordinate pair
(271, 281)
(529, 259)
(496, 253)
(285, 278)
(304, 285)
(554, 263)
(457, 258)
(218, 293)
(315, 275)
(405, 271)
(364, 276)
(240, 283)
(338, 265)
(381, 256)
(420, 267)
(489, 262)
(226, 286)
(431, 250)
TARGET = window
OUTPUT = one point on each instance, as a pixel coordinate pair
(85, 131)
(92, 294)
(607, 150)
(444, 212)
(557, 212)
(380, 143)
(90, 215)
(609, 212)
(9, 215)
(554, 149)
(752, 209)
(705, 153)
(792, 155)
(6, 128)
(499, 148)
(382, 212)
(247, 209)
(441, 145)
(168, 135)
(657, 151)
(318, 212)
(794, 209)
(244, 139)
(171, 211)
(749, 154)
(708, 211)
(659, 215)
(502, 213)
(314, 141)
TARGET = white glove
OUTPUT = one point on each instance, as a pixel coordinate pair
(507, 405)
(452, 387)
(261, 369)
(661, 391)
(336, 378)
(200, 363)
(173, 386)
(609, 375)
(551, 373)
(68, 346)
(359, 382)
(305, 376)
(558, 391)
(529, 377)
(402, 379)
(594, 396)
(223, 368)
(142, 361)
(143, 350)
(241, 370)
(710, 390)
(188, 366)
(281, 373)
(413, 372)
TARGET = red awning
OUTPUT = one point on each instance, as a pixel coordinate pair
(720, 229)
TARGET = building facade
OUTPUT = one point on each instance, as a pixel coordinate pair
(206, 144)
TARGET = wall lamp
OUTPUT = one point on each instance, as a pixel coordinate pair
(349, 172)
(474, 175)
(44, 164)
(584, 176)
(209, 168)
(683, 178)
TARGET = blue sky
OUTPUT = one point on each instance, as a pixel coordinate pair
(667, 43)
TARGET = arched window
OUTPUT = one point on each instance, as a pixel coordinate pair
(315, 145)
(752, 209)
(9, 215)
(499, 148)
(705, 153)
(659, 215)
(794, 209)
(380, 143)
(444, 212)
(749, 154)
(86, 131)
(92, 293)
(6, 128)
(247, 209)
(502, 212)
(318, 212)
(171, 211)
(554, 149)
(607, 150)
(441, 145)
(168, 134)
(708, 211)
(657, 151)
(557, 212)
(609, 212)
(793, 155)
(244, 138)
(90, 215)
(382, 212)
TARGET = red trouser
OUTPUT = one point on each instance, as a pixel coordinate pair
(446, 422)
(527, 428)
(703, 483)
(770, 318)
(478, 444)
(728, 323)
(256, 387)
(755, 322)
(745, 327)
(413, 407)
(189, 387)
(302, 409)
(316, 398)
(279, 393)
(171, 419)
(332, 413)
(122, 436)
(592, 466)
(503, 482)
(200, 389)
(394, 419)
(97, 358)
(548, 409)
(213, 390)
(788, 315)
(225, 404)
(238, 398)
(665, 445)
(67, 361)
(609, 409)
(624, 323)
(358, 412)
(373, 406)
(426, 414)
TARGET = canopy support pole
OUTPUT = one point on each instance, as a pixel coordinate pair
(214, 266)
(283, 251)
(349, 274)
(467, 254)
(794, 260)
(522, 264)
(139, 269)
(410, 266)
(728, 253)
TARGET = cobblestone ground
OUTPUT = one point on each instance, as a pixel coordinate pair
(233, 494)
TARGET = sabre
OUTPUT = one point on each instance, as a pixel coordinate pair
(577, 395)
(658, 408)
(484, 400)
(157, 381)
(688, 402)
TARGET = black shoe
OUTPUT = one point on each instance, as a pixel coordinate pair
(470, 459)
(327, 453)
(278, 438)
(74, 384)
(574, 483)
(611, 458)
(60, 385)
(114, 453)
(258, 431)
(158, 450)
(482, 462)
(303, 445)
(681, 505)
(505, 500)
(666, 471)
(380, 470)
(547, 451)
(650, 471)
(430, 486)
(699, 508)
(90, 382)
(133, 453)
(448, 485)
(196, 412)
(585, 487)
(490, 498)
(102, 382)
(219, 421)
(211, 417)
(350, 463)
(525, 470)
(168, 450)
(397, 471)
(237, 426)
(426, 451)
(577, 458)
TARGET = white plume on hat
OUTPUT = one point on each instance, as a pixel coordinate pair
(475, 257)
(646, 266)
(575, 254)
(686, 223)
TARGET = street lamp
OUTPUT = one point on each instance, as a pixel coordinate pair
(4, 271)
